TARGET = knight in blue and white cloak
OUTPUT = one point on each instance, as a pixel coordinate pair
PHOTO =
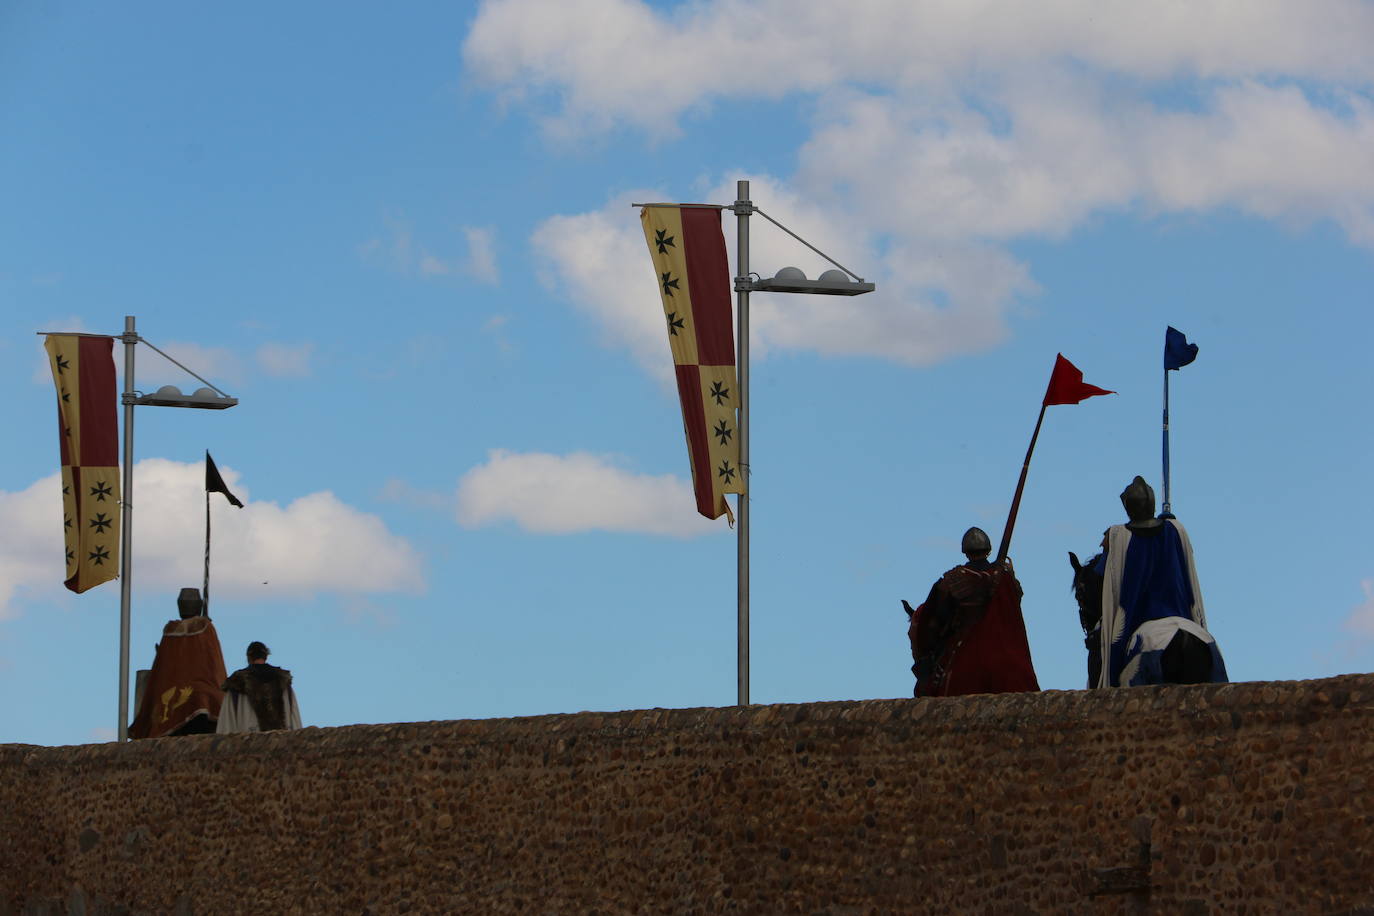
(1154, 628)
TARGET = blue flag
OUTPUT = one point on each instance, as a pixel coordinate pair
(1177, 351)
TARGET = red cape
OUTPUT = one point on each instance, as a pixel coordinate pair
(185, 680)
(994, 655)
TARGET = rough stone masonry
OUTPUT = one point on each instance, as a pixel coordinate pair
(1241, 798)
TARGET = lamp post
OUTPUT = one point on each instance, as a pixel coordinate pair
(168, 396)
(210, 398)
(787, 280)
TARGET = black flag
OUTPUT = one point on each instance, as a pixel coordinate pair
(215, 483)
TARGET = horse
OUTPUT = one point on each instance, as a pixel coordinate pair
(1087, 591)
(1185, 660)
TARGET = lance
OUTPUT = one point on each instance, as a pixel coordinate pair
(1020, 488)
(1166, 513)
(205, 589)
(1177, 354)
(1066, 387)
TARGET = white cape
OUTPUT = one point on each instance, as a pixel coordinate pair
(236, 714)
(1114, 615)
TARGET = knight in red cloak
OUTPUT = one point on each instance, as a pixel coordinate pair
(969, 636)
(182, 694)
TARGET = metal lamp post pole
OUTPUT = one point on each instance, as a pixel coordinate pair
(790, 280)
(130, 338)
(743, 208)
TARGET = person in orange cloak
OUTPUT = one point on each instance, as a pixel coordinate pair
(182, 694)
(968, 636)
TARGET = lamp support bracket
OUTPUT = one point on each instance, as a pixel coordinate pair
(144, 340)
(857, 278)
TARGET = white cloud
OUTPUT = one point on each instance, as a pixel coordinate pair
(585, 252)
(566, 494)
(394, 249)
(1361, 619)
(398, 491)
(934, 300)
(495, 326)
(941, 133)
(1268, 151)
(31, 539)
(360, 608)
(285, 360)
(431, 266)
(612, 61)
(481, 262)
(399, 251)
(315, 544)
(1054, 151)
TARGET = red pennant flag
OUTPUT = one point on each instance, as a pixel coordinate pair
(1067, 385)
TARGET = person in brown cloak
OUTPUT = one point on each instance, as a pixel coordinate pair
(182, 694)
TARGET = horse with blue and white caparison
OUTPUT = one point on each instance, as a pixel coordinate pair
(1185, 659)
(1140, 605)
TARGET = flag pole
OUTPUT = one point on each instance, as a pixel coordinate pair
(1167, 513)
(205, 590)
(1020, 488)
(743, 208)
(126, 561)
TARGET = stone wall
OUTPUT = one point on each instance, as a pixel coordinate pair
(1238, 798)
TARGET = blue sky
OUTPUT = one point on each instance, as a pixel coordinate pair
(403, 240)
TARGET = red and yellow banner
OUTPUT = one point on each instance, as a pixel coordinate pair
(688, 250)
(87, 426)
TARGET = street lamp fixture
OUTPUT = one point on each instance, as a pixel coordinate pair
(171, 396)
(831, 283)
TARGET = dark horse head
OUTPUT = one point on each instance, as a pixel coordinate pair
(1087, 589)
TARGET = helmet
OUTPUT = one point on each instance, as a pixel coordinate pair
(975, 541)
(1139, 500)
(190, 603)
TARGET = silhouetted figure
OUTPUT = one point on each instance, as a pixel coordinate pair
(182, 694)
(1141, 600)
(968, 636)
(259, 698)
